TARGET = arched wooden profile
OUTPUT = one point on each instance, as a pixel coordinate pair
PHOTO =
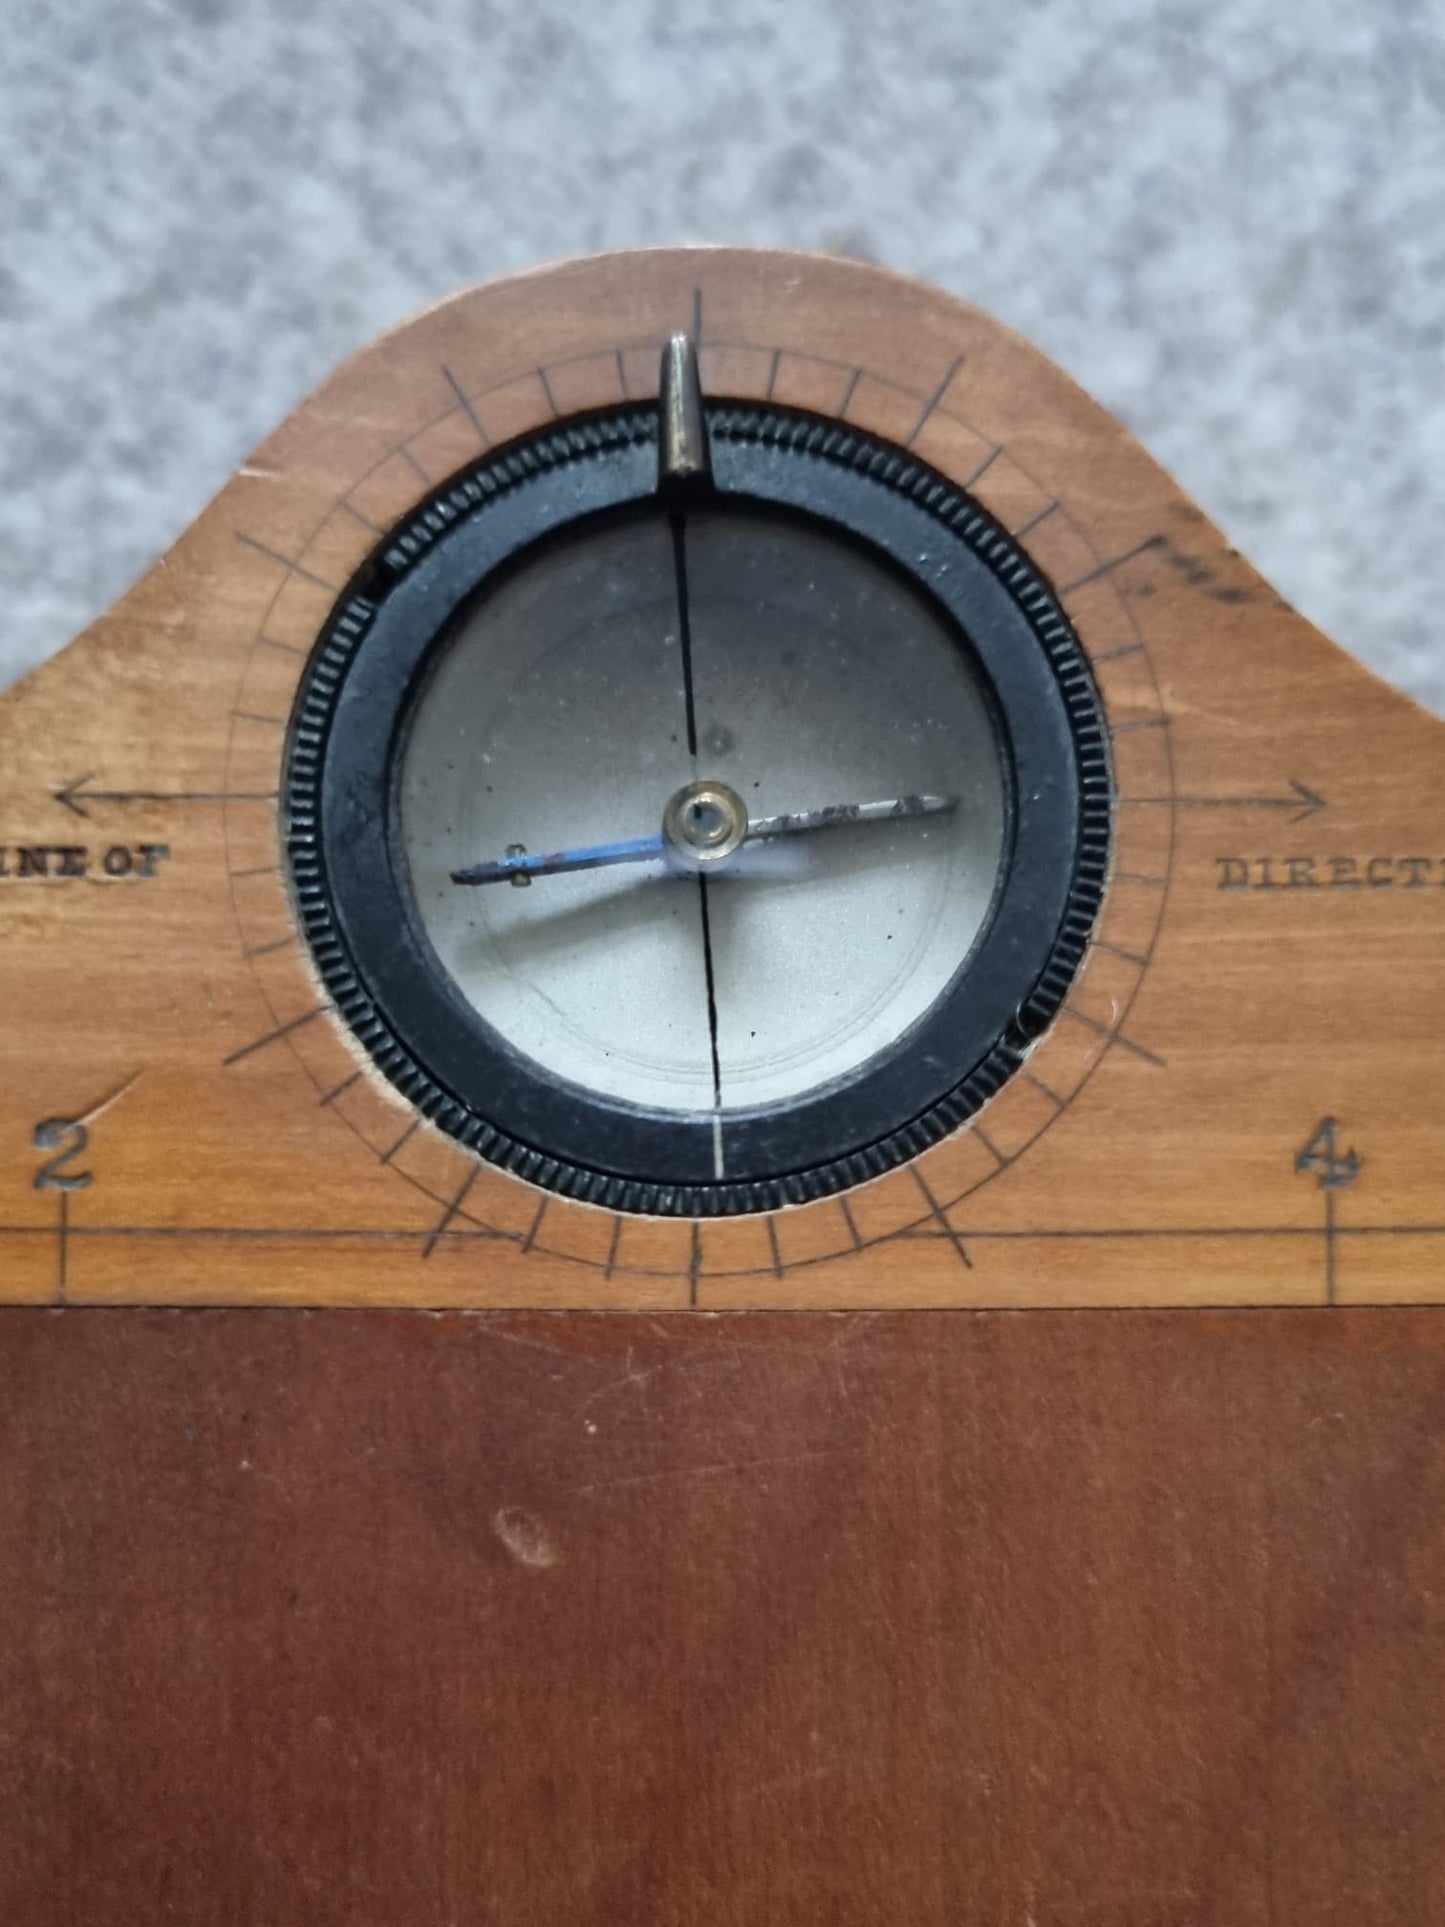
(803, 1585)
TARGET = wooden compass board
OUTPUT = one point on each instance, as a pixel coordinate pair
(895, 1610)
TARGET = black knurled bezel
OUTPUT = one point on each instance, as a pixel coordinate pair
(576, 449)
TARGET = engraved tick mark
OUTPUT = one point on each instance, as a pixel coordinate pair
(272, 1036)
(937, 1212)
(933, 400)
(338, 1090)
(356, 515)
(466, 407)
(286, 562)
(1113, 949)
(62, 1276)
(1039, 1085)
(851, 1222)
(405, 1138)
(536, 1225)
(1107, 568)
(1042, 515)
(451, 1211)
(985, 465)
(1115, 1036)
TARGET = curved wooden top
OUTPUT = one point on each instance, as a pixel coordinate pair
(1242, 1102)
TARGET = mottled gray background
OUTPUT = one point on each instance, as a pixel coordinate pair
(1225, 219)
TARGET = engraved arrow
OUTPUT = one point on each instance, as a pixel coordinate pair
(1304, 802)
(76, 794)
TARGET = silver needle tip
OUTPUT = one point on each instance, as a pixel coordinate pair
(682, 451)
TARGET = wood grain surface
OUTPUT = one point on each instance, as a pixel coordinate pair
(1270, 954)
(835, 1567)
(938, 1619)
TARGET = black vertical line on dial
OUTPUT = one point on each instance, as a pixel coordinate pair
(711, 1000)
(678, 523)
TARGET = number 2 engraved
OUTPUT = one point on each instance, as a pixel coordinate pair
(67, 1137)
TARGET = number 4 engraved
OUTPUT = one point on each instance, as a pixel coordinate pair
(1322, 1155)
(1335, 1171)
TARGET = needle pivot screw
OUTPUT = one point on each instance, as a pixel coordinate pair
(703, 824)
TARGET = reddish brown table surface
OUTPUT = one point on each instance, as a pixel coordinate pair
(1040, 1618)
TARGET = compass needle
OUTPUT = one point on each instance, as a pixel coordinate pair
(704, 824)
(519, 866)
(837, 816)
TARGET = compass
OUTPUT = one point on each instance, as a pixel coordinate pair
(714, 780)
(698, 808)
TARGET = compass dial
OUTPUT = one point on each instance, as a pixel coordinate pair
(698, 809)
(558, 715)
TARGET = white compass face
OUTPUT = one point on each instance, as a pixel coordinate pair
(754, 651)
